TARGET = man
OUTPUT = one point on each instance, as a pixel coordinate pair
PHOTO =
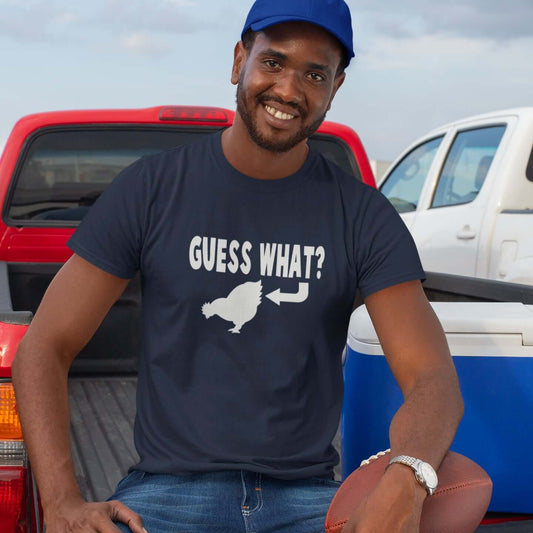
(234, 424)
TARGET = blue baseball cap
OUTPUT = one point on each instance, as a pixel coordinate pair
(332, 15)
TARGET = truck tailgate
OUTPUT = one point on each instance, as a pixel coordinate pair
(102, 411)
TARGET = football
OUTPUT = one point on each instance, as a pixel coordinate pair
(457, 506)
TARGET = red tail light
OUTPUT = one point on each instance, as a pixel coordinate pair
(193, 114)
(13, 499)
(15, 506)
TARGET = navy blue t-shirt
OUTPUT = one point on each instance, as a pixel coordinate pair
(247, 289)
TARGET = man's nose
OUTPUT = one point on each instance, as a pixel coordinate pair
(289, 87)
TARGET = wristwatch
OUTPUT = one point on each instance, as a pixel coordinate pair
(424, 472)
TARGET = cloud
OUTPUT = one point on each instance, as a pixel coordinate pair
(54, 20)
(169, 16)
(430, 52)
(486, 19)
(143, 43)
(65, 19)
(27, 21)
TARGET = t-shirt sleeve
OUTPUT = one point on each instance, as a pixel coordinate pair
(386, 253)
(111, 234)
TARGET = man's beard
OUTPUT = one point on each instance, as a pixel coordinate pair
(272, 144)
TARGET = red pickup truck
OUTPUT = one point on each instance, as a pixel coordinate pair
(54, 166)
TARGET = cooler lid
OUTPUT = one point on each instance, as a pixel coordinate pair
(472, 328)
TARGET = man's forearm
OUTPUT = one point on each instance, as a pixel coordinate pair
(40, 381)
(418, 355)
(425, 425)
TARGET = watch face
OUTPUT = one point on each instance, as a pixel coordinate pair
(429, 475)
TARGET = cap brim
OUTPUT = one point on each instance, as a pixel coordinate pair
(271, 21)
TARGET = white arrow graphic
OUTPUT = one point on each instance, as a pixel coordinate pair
(277, 296)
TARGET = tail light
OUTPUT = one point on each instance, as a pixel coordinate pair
(13, 499)
(14, 475)
(193, 114)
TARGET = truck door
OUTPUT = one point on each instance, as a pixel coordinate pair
(447, 233)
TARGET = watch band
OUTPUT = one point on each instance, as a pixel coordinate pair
(405, 460)
(424, 472)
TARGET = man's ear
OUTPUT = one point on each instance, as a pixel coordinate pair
(239, 59)
(339, 80)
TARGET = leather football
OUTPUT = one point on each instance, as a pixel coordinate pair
(457, 506)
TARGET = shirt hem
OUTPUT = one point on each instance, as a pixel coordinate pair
(390, 282)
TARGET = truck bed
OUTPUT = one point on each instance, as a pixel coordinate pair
(102, 410)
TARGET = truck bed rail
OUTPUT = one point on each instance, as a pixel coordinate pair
(453, 288)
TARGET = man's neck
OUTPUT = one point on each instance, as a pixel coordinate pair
(247, 157)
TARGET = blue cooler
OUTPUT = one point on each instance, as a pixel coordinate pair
(492, 347)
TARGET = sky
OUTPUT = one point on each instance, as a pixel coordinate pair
(419, 63)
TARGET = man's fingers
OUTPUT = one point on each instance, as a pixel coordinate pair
(122, 513)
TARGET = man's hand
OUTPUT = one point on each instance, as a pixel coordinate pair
(81, 516)
(395, 506)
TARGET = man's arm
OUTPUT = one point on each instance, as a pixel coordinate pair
(425, 425)
(73, 307)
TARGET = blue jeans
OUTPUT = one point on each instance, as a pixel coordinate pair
(226, 502)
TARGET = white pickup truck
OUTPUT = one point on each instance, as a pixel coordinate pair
(465, 191)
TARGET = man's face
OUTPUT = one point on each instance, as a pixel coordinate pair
(285, 83)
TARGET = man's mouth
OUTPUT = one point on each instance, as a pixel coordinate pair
(278, 114)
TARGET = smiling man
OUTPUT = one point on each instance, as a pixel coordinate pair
(234, 427)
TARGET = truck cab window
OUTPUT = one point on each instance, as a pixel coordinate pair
(404, 183)
(64, 170)
(337, 152)
(467, 166)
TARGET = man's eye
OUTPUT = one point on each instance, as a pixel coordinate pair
(271, 63)
(316, 77)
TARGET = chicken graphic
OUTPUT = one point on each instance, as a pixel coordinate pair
(239, 307)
